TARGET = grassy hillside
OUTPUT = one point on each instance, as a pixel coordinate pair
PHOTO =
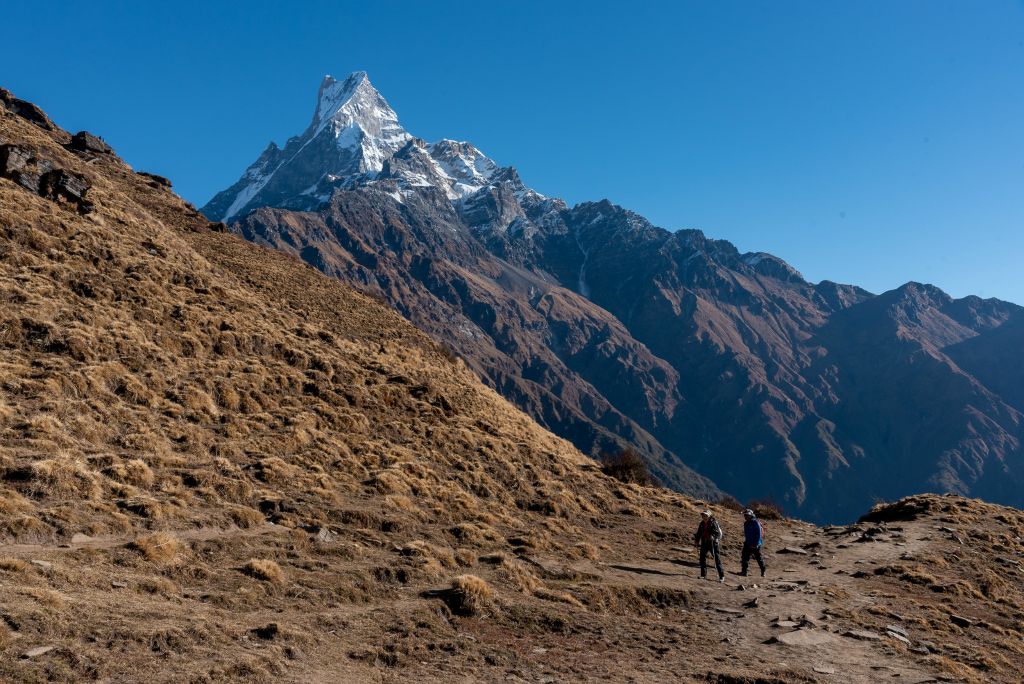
(218, 465)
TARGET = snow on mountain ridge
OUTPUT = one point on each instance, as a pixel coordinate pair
(354, 137)
(464, 163)
(354, 106)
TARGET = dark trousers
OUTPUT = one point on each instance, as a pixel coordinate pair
(711, 547)
(748, 552)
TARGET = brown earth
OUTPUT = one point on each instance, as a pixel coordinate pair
(217, 464)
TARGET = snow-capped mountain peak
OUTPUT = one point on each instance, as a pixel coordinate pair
(354, 138)
(334, 93)
(344, 106)
(463, 162)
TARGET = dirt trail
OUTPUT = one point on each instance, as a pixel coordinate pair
(793, 618)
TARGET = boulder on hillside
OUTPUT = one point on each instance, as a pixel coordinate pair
(21, 165)
(154, 180)
(84, 141)
(25, 110)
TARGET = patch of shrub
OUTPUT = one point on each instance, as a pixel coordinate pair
(13, 565)
(626, 466)
(469, 594)
(159, 547)
(909, 508)
(266, 570)
(729, 502)
(767, 509)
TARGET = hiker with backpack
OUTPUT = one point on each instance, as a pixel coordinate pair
(753, 540)
(709, 538)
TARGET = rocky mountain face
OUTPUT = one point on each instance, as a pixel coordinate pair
(611, 331)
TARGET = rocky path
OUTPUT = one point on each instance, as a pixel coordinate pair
(815, 614)
(797, 617)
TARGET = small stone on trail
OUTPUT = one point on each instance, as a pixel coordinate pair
(37, 651)
(792, 549)
(962, 621)
(898, 637)
(118, 585)
(803, 637)
(899, 630)
(79, 538)
(729, 611)
(786, 624)
(822, 669)
(45, 565)
(752, 603)
(862, 635)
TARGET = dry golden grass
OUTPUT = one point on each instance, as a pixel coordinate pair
(470, 594)
(13, 565)
(520, 576)
(558, 596)
(48, 598)
(586, 550)
(161, 547)
(263, 569)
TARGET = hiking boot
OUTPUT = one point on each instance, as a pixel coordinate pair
(721, 580)
(762, 573)
(743, 574)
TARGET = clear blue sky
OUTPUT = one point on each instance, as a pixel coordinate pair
(868, 141)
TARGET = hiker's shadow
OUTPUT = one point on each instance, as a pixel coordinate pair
(685, 563)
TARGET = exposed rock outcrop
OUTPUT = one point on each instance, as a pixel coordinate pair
(24, 167)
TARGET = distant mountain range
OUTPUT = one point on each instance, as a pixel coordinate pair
(613, 332)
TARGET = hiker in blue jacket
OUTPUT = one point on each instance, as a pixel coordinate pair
(753, 539)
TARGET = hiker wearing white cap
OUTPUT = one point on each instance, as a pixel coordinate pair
(753, 539)
(709, 538)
